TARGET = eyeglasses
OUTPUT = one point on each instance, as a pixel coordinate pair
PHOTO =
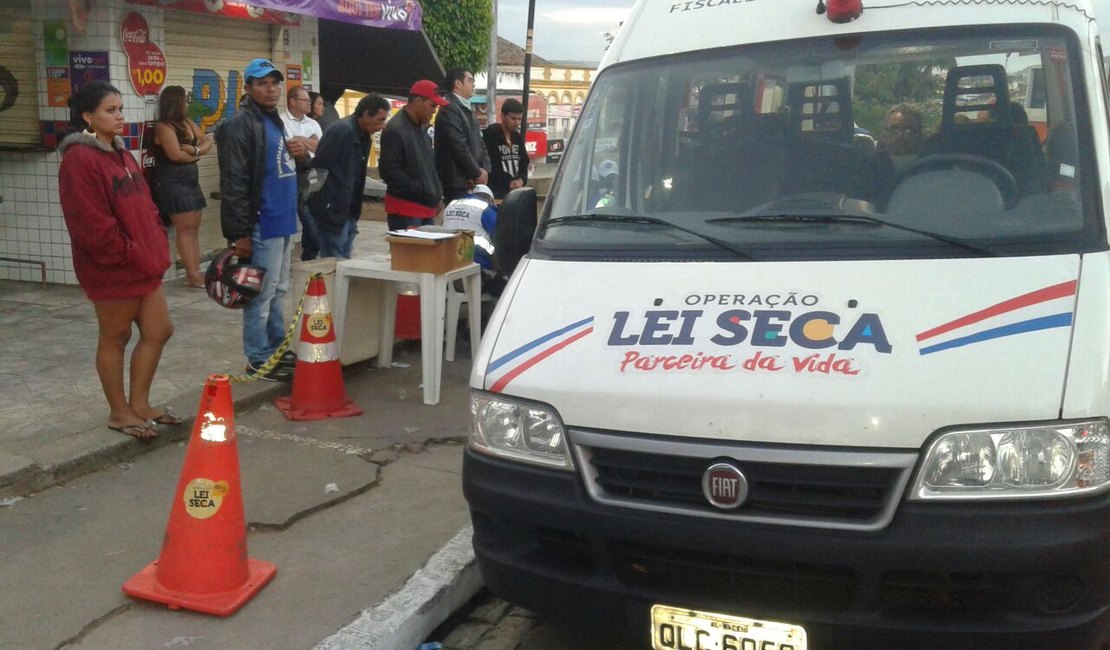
(903, 130)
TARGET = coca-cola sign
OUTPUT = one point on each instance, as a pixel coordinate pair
(134, 36)
(146, 64)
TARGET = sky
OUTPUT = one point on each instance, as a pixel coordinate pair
(565, 30)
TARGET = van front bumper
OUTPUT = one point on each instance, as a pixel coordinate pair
(940, 575)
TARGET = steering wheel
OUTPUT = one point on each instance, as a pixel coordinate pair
(999, 175)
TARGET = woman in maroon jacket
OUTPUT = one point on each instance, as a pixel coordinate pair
(120, 253)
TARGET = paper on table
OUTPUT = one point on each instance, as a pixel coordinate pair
(421, 234)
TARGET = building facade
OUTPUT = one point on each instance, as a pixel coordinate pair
(51, 46)
(562, 85)
(48, 48)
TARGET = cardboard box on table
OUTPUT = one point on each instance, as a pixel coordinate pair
(431, 255)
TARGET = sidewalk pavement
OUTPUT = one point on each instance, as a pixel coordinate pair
(53, 430)
(53, 416)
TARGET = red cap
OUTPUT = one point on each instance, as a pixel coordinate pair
(428, 90)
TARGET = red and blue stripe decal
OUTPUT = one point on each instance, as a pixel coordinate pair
(535, 351)
(1029, 303)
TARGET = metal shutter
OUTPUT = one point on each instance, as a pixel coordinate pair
(201, 50)
(19, 84)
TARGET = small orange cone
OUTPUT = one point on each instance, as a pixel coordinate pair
(318, 390)
(204, 565)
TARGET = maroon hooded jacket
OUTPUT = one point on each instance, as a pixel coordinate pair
(120, 249)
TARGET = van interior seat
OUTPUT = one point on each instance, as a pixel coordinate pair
(816, 165)
(736, 162)
(1006, 137)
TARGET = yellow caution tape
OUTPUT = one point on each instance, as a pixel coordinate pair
(272, 362)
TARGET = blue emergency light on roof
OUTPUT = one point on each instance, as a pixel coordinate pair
(840, 11)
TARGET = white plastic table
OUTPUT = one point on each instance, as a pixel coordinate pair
(433, 307)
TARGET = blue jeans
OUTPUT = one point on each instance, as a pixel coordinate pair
(352, 232)
(338, 243)
(310, 235)
(263, 320)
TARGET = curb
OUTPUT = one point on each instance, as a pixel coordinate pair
(406, 617)
(95, 448)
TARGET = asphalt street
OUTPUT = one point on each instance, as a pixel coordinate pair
(347, 510)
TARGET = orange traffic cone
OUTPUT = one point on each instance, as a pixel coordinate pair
(318, 390)
(204, 565)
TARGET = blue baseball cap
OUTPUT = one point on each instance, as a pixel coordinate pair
(260, 68)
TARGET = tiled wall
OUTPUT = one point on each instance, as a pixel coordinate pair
(31, 223)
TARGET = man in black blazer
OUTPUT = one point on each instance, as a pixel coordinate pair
(461, 157)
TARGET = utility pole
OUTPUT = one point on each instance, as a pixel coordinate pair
(527, 66)
(491, 71)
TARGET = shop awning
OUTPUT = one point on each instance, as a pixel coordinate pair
(372, 59)
(386, 14)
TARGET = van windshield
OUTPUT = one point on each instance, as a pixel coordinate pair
(929, 143)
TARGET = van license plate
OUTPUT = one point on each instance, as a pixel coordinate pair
(673, 628)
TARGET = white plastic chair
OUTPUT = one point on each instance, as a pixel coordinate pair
(455, 301)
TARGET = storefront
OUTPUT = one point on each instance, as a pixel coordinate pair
(140, 46)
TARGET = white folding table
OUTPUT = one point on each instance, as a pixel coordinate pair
(433, 307)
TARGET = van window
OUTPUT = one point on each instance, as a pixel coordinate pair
(904, 144)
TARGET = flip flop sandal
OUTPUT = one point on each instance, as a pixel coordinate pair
(141, 431)
(168, 418)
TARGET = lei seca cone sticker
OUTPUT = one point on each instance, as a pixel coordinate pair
(146, 64)
(318, 390)
(204, 565)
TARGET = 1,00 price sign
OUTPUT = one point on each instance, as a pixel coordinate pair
(145, 60)
(149, 76)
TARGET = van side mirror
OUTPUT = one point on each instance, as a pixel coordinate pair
(516, 225)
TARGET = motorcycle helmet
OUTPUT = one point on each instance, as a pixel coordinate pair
(231, 284)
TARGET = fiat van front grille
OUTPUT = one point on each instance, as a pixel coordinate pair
(822, 488)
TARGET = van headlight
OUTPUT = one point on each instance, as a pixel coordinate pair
(527, 432)
(1019, 462)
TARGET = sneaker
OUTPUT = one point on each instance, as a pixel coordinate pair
(288, 359)
(277, 373)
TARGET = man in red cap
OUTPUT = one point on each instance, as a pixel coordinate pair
(413, 195)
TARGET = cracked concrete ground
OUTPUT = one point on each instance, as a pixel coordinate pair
(347, 509)
(343, 531)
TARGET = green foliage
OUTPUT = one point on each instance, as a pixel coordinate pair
(459, 31)
(879, 87)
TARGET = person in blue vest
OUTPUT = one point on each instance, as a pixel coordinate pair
(477, 212)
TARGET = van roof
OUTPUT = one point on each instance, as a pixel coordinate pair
(661, 27)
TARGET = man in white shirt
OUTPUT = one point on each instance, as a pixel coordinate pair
(299, 127)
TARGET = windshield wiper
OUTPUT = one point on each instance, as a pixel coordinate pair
(859, 219)
(650, 221)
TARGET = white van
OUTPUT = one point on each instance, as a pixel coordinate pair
(783, 368)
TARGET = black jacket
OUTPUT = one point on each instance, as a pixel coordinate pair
(343, 152)
(407, 164)
(509, 162)
(241, 151)
(460, 151)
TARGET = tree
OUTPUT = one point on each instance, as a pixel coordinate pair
(459, 31)
(878, 87)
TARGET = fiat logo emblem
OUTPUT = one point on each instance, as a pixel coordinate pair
(724, 486)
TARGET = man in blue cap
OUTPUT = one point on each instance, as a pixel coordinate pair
(258, 209)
